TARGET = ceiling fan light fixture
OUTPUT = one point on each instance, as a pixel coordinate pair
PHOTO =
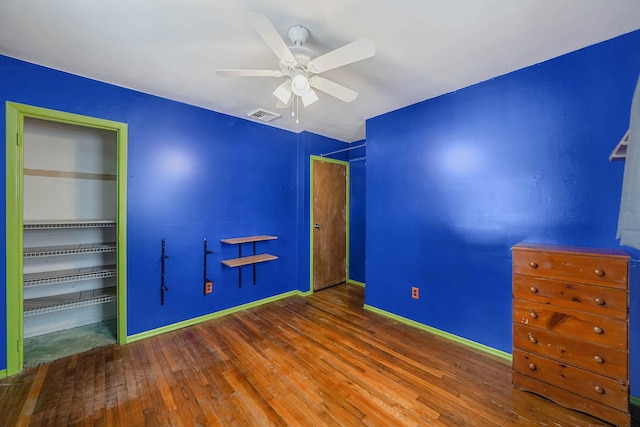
(300, 83)
(284, 92)
(309, 98)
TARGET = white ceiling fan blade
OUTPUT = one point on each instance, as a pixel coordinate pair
(284, 92)
(347, 54)
(269, 34)
(334, 89)
(309, 97)
(280, 105)
(249, 73)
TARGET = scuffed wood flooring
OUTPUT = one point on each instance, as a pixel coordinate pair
(320, 360)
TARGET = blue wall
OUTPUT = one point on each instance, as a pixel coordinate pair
(357, 229)
(454, 182)
(192, 174)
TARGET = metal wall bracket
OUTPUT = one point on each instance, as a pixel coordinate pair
(163, 286)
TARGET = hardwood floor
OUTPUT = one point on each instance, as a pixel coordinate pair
(320, 360)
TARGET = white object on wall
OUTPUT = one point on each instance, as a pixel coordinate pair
(629, 219)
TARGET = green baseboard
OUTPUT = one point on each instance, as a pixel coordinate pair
(196, 320)
(355, 282)
(3, 374)
(635, 401)
(490, 350)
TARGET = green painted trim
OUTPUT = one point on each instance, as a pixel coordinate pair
(14, 243)
(121, 234)
(64, 117)
(14, 219)
(348, 220)
(347, 212)
(355, 282)
(200, 319)
(635, 401)
(3, 374)
(311, 159)
(490, 350)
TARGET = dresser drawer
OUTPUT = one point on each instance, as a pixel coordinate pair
(617, 417)
(603, 360)
(571, 267)
(592, 386)
(595, 299)
(578, 324)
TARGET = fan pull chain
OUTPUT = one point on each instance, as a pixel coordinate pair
(297, 111)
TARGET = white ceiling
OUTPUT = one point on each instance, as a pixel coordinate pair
(424, 48)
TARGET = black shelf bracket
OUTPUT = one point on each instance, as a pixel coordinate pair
(208, 284)
(254, 266)
(163, 286)
(240, 267)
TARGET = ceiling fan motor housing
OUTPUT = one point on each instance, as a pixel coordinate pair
(298, 35)
(302, 55)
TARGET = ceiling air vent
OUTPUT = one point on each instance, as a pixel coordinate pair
(263, 115)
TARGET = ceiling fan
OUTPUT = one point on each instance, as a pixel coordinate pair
(301, 65)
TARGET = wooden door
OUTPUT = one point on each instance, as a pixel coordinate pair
(330, 224)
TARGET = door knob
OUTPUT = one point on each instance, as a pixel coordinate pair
(318, 226)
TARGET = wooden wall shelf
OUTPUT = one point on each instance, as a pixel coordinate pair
(248, 239)
(247, 260)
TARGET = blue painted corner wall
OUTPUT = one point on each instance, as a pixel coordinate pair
(357, 222)
(192, 174)
(455, 181)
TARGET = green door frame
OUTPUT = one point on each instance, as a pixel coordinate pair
(347, 213)
(15, 114)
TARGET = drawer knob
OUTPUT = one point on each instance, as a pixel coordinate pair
(533, 340)
(599, 301)
(598, 359)
(599, 389)
(533, 289)
(533, 264)
(532, 366)
(598, 330)
(598, 272)
(533, 315)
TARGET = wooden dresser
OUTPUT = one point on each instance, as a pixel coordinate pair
(570, 327)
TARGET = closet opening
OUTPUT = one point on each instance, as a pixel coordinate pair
(66, 268)
(69, 223)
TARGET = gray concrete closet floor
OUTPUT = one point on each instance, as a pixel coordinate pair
(56, 345)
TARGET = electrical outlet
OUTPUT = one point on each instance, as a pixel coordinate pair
(208, 287)
(415, 292)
